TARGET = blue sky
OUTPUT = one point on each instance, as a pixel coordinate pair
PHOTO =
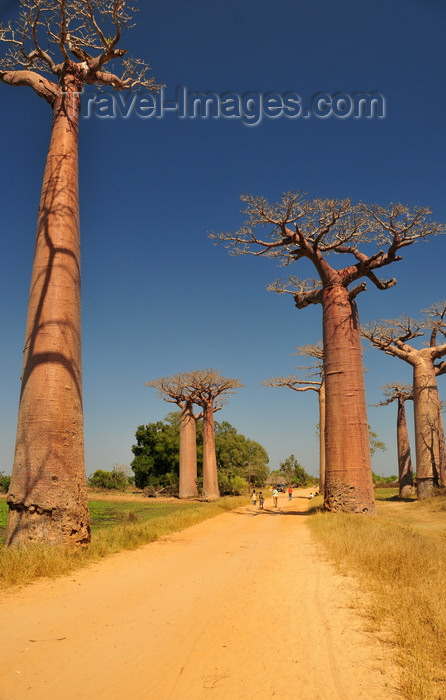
(158, 296)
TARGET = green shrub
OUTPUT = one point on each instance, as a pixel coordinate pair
(4, 483)
(231, 484)
(115, 479)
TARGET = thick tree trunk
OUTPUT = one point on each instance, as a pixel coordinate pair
(210, 479)
(442, 451)
(427, 427)
(405, 474)
(188, 454)
(48, 496)
(322, 409)
(348, 475)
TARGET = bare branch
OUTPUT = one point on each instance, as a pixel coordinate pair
(440, 368)
(392, 336)
(73, 37)
(435, 317)
(43, 87)
(308, 291)
(292, 382)
(396, 392)
(297, 228)
(208, 385)
(357, 290)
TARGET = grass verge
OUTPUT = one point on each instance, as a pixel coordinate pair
(405, 572)
(133, 525)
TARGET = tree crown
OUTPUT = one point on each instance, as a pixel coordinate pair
(200, 387)
(71, 37)
(396, 392)
(296, 228)
(392, 336)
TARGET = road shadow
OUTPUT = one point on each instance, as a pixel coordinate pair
(268, 511)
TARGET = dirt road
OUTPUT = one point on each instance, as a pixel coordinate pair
(239, 607)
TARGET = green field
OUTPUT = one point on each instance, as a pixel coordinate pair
(108, 513)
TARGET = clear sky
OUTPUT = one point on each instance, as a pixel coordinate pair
(158, 297)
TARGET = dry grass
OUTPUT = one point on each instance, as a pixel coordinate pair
(19, 567)
(405, 571)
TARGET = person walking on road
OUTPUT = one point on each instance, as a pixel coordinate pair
(261, 500)
(275, 496)
(254, 497)
(290, 493)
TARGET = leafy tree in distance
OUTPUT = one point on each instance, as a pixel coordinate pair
(4, 483)
(380, 479)
(375, 444)
(294, 473)
(156, 452)
(55, 48)
(297, 229)
(238, 456)
(116, 480)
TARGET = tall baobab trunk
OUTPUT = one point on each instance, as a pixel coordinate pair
(405, 474)
(188, 453)
(348, 476)
(322, 439)
(442, 451)
(427, 428)
(210, 478)
(48, 496)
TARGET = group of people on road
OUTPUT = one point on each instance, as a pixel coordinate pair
(275, 495)
(261, 499)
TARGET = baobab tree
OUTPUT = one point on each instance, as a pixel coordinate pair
(209, 391)
(392, 337)
(55, 48)
(295, 229)
(179, 389)
(293, 382)
(401, 393)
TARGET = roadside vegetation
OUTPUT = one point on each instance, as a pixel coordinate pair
(4, 483)
(400, 559)
(116, 526)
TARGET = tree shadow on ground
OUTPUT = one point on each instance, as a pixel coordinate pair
(269, 511)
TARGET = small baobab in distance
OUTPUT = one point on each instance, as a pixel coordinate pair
(210, 392)
(401, 393)
(179, 389)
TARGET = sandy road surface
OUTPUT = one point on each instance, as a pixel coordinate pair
(239, 607)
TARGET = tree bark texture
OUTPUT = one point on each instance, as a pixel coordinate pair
(348, 475)
(210, 478)
(322, 437)
(405, 475)
(188, 453)
(442, 451)
(48, 495)
(427, 426)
